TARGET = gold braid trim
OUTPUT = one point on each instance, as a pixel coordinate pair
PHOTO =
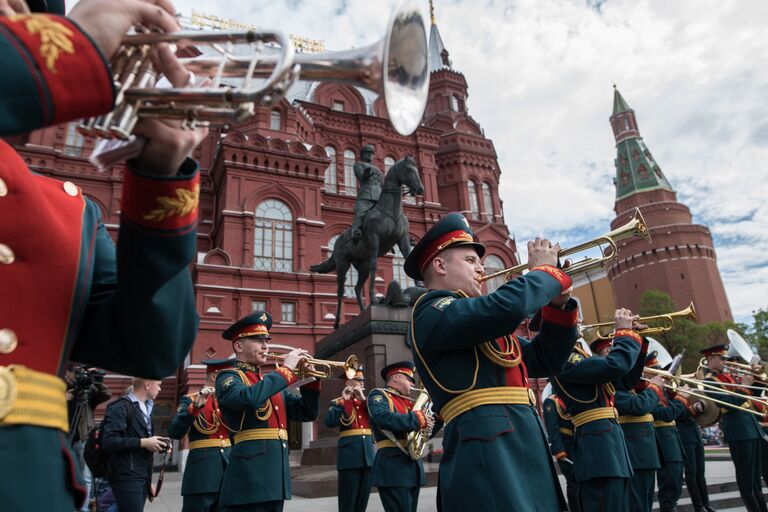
(498, 357)
(183, 204)
(351, 418)
(55, 38)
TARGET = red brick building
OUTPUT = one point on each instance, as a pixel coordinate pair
(681, 260)
(278, 189)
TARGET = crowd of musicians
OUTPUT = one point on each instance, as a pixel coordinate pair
(130, 309)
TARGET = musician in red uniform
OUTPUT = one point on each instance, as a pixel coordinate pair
(398, 477)
(66, 292)
(198, 417)
(354, 456)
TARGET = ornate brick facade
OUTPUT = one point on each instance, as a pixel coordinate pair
(276, 190)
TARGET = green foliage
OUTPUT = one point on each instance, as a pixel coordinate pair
(685, 335)
(757, 333)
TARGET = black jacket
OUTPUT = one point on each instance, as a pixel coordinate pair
(127, 461)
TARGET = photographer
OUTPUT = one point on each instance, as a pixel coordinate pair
(85, 391)
(130, 441)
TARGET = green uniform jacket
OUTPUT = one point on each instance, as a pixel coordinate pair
(559, 427)
(599, 448)
(392, 467)
(259, 470)
(736, 425)
(353, 452)
(205, 466)
(642, 443)
(488, 447)
(131, 309)
(671, 446)
(688, 428)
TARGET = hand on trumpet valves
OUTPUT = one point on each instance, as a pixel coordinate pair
(637, 326)
(168, 141)
(294, 358)
(624, 319)
(542, 252)
(108, 21)
(203, 395)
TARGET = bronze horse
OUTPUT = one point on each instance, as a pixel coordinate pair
(384, 226)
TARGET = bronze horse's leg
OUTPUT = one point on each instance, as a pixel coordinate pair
(341, 276)
(363, 271)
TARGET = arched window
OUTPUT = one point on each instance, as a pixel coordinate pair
(351, 279)
(73, 142)
(273, 240)
(487, 203)
(388, 163)
(350, 182)
(454, 103)
(330, 172)
(398, 272)
(493, 264)
(473, 208)
(275, 120)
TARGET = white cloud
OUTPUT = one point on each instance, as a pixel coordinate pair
(540, 75)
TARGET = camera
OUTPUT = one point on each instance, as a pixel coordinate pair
(85, 377)
(167, 441)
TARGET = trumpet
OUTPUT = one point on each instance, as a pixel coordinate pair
(395, 67)
(759, 373)
(635, 227)
(323, 367)
(665, 322)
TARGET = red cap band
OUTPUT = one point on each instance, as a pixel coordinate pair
(445, 241)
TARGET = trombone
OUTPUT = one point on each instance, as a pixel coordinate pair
(705, 385)
(758, 374)
(396, 67)
(665, 322)
(323, 368)
(635, 227)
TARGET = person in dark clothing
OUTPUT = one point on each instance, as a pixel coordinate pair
(85, 391)
(130, 441)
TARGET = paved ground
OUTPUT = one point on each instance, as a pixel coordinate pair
(170, 499)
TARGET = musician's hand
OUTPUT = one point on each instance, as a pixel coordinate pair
(682, 394)
(430, 420)
(658, 380)
(108, 21)
(637, 326)
(542, 252)
(202, 396)
(155, 444)
(624, 319)
(698, 407)
(747, 379)
(360, 394)
(13, 7)
(294, 358)
(346, 394)
(561, 300)
(168, 144)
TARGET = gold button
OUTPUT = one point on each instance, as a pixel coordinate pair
(6, 255)
(70, 188)
(3, 188)
(8, 341)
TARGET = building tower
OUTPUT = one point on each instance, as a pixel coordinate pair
(681, 259)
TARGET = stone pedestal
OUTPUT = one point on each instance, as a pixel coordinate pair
(377, 338)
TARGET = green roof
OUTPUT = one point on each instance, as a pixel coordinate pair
(619, 105)
(636, 170)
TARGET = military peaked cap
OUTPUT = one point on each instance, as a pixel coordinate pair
(453, 230)
(404, 367)
(256, 325)
(715, 350)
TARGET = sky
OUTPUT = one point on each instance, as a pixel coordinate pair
(541, 75)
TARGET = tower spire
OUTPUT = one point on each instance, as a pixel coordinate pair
(432, 12)
(636, 170)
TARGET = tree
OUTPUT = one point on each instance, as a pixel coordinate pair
(757, 333)
(685, 336)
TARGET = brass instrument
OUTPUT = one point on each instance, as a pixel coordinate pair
(635, 227)
(323, 367)
(395, 67)
(417, 440)
(666, 322)
(739, 347)
(702, 386)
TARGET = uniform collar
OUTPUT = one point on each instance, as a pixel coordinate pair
(247, 367)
